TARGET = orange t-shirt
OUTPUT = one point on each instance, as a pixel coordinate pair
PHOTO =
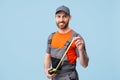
(59, 40)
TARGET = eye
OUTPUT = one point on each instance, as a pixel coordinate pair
(58, 16)
(65, 16)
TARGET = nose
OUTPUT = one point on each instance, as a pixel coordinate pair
(61, 19)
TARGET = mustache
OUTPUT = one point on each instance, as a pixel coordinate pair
(62, 22)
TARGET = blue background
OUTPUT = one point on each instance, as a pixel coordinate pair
(26, 24)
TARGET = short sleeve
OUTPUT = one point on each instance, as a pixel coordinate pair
(48, 50)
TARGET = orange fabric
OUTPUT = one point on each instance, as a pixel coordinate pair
(59, 40)
(71, 55)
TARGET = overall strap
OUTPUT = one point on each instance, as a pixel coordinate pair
(74, 34)
(50, 38)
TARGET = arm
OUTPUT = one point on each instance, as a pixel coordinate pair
(84, 59)
(47, 63)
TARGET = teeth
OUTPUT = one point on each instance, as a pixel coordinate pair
(61, 23)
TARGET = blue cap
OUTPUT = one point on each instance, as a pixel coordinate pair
(64, 9)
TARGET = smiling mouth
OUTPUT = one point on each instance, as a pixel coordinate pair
(61, 23)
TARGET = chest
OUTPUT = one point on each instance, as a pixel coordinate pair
(58, 41)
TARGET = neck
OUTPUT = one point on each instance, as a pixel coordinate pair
(64, 30)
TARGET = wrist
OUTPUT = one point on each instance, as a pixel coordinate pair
(46, 70)
(81, 50)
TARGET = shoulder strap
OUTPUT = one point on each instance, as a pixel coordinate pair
(50, 38)
(74, 34)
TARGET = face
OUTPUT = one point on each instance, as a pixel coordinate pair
(62, 20)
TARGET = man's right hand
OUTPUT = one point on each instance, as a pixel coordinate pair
(49, 75)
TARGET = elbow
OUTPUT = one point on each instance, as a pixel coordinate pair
(85, 64)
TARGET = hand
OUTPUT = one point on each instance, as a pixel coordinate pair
(79, 43)
(49, 75)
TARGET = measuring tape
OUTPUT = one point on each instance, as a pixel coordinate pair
(53, 70)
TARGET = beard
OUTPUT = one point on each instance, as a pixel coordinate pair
(62, 25)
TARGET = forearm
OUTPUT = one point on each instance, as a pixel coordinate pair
(47, 62)
(84, 59)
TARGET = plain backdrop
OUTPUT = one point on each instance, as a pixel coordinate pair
(26, 24)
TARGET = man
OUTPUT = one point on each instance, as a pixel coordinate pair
(57, 45)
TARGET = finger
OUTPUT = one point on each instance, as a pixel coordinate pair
(75, 38)
(53, 75)
(79, 41)
(78, 38)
